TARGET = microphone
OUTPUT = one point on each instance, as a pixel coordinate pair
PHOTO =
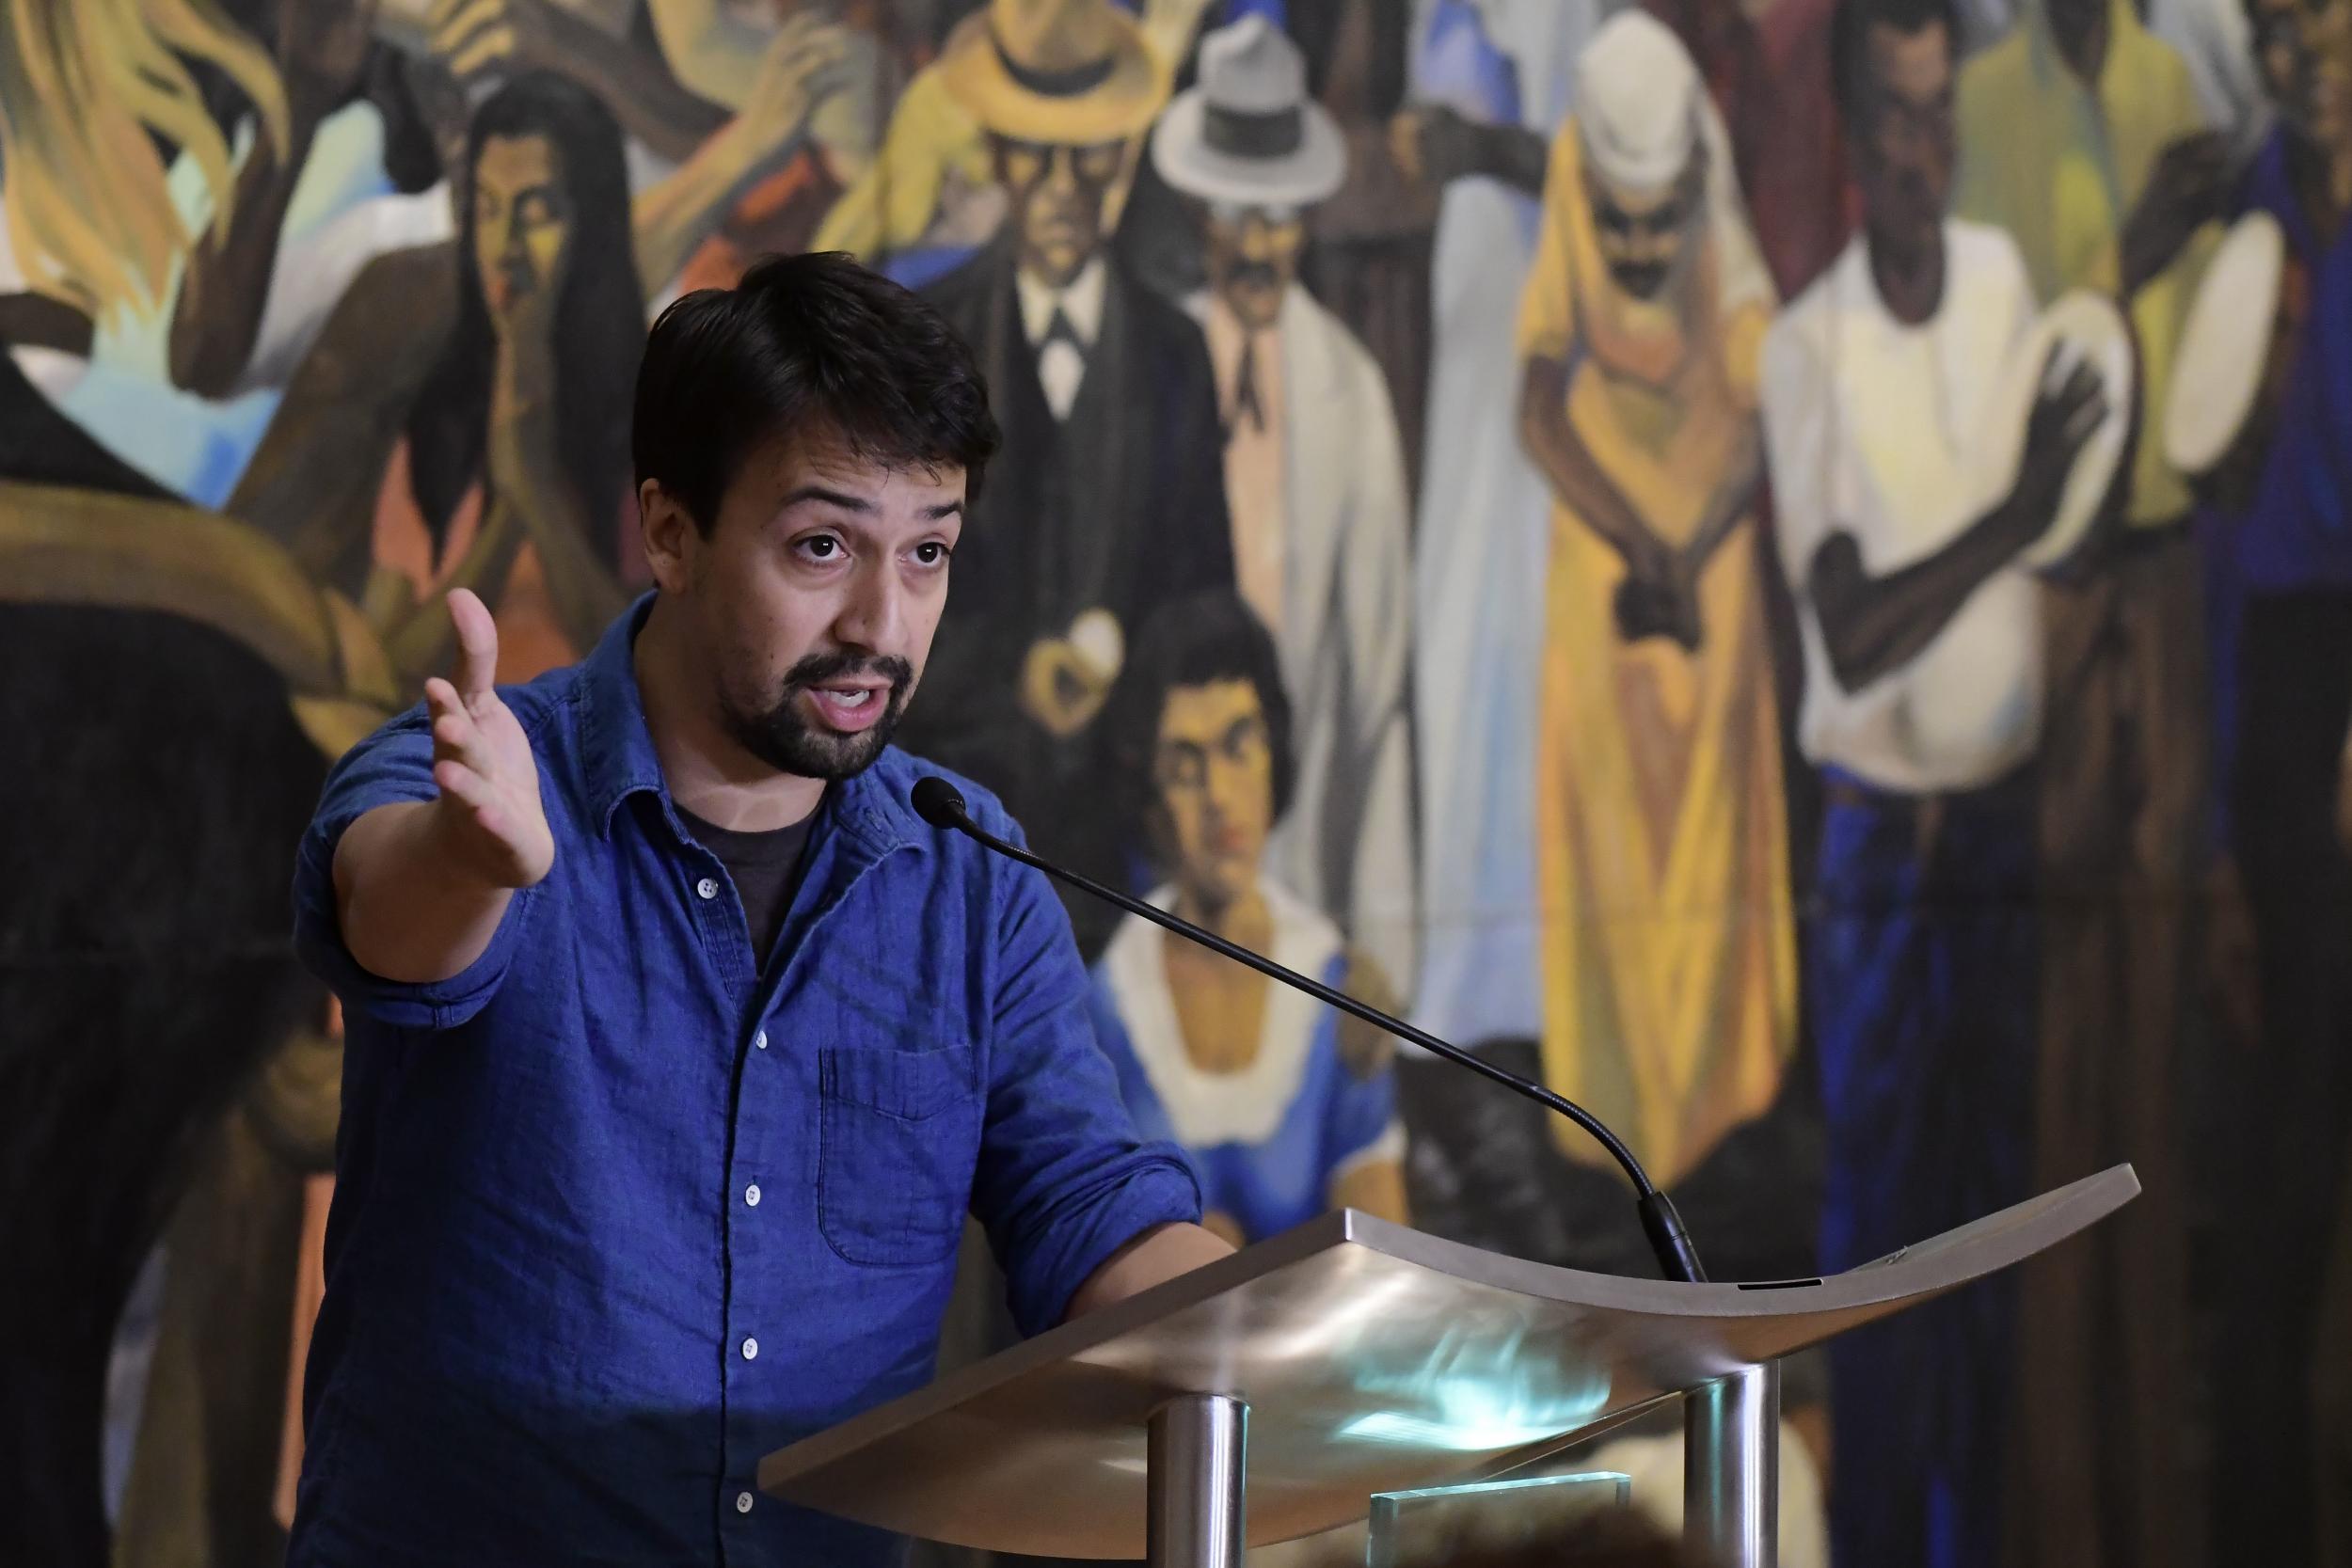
(941, 805)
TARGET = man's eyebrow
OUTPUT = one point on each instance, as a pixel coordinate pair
(846, 501)
(943, 510)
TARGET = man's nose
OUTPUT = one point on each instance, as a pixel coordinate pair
(873, 617)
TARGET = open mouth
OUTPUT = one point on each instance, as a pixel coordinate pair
(849, 707)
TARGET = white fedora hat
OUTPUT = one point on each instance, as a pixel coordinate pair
(1249, 133)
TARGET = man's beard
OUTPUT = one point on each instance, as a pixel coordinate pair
(785, 739)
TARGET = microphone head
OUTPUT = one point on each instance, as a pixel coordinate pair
(938, 802)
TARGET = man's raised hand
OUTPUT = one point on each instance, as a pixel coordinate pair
(490, 813)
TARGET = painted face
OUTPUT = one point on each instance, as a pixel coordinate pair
(1643, 238)
(2072, 19)
(1212, 772)
(2304, 48)
(522, 219)
(1061, 196)
(1254, 258)
(1907, 139)
(813, 600)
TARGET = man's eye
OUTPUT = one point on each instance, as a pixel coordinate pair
(822, 547)
(931, 554)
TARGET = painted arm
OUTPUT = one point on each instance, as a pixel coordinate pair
(322, 46)
(477, 37)
(312, 482)
(708, 52)
(1874, 624)
(1575, 475)
(1735, 494)
(802, 68)
(528, 481)
(37, 320)
(1437, 146)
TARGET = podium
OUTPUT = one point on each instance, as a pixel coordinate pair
(1269, 1395)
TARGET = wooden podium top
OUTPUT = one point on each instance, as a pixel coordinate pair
(1372, 1358)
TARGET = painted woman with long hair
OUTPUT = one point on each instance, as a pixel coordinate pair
(464, 419)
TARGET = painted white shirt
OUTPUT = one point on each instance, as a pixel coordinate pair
(1871, 427)
(1060, 367)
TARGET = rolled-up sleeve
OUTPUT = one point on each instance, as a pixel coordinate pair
(1064, 1179)
(393, 764)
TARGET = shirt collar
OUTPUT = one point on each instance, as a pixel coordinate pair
(1081, 302)
(619, 759)
(617, 748)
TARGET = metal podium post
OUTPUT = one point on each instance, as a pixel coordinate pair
(1731, 1468)
(1196, 1461)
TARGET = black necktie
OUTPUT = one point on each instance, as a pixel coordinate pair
(1246, 399)
(1059, 330)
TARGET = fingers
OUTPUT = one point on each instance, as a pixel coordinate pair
(467, 35)
(486, 49)
(798, 28)
(469, 789)
(805, 50)
(455, 735)
(478, 645)
(2080, 405)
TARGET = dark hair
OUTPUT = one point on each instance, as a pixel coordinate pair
(599, 319)
(1849, 44)
(804, 341)
(1208, 636)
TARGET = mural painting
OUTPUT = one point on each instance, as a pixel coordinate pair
(1783, 565)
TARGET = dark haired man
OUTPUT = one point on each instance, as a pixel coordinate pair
(1923, 712)
(679, 1046)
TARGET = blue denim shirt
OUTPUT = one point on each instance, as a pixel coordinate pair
(616, 1214)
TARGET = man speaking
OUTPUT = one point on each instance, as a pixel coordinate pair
(678, 1047)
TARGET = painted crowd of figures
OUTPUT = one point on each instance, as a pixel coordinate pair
(1786, 562)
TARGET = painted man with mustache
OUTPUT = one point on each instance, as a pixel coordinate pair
(677, 1046)
(1315, 480)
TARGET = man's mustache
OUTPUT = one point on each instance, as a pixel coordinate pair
(1252, 273)
(820, 669)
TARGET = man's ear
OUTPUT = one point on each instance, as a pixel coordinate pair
(669, 534)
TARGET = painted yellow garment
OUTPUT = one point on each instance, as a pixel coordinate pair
(1662, 830)
(2061, 164)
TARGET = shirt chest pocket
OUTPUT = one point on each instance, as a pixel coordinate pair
(900, 1133)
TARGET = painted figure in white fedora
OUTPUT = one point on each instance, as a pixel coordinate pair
(1314, 479)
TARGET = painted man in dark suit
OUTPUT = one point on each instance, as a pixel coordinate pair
(1107, 500)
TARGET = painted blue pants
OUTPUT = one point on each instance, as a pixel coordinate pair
(1923, 981)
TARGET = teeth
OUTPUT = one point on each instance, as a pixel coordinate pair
(852, 699)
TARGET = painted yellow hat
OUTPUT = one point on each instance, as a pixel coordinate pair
(1067, 73)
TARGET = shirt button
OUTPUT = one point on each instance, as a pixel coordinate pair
(707, 888)
(751, 1195)
(750, 1350)
(743, 1502)
(760, 1039)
